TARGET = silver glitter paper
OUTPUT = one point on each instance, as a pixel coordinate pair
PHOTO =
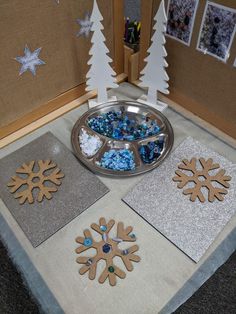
(191, 226)
(79, 189)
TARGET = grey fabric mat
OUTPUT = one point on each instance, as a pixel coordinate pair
(191, 226)
(79, 189)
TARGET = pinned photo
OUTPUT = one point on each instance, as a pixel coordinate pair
(217, 31)
(181, 16)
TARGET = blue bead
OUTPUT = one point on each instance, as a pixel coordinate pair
(88, 242)
(106, 248)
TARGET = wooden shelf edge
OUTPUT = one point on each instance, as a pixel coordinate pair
(61, 104)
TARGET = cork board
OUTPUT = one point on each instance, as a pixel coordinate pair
(52, 26)
(200, 83)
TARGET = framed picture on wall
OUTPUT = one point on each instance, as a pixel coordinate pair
(181, 16)
(217, 31)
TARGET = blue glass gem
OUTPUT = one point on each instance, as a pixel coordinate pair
(103, 228)
(88, 241)
(125, 252)
(106, 248)
(132, 235)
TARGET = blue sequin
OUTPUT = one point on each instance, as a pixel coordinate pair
(119, 160)
(151, 151)
(117, 125)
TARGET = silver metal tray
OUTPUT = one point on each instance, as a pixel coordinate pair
(132, 109)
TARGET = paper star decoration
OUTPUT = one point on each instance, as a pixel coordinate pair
(30, 60)
(85, 26)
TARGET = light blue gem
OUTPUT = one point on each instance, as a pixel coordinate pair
(103, 228)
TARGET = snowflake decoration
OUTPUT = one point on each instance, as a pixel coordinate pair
(107, 249)
(85, 26)
(202, 178)
(35, 180)
(30, 60)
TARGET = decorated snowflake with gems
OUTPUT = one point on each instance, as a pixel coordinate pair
(106, 249)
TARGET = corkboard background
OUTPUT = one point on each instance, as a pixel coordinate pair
(200, 83)
(53, 27)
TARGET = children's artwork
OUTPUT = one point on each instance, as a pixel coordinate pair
(181, 16)
(202, 177)
(38, 217)
(217, 31)
(28, 180)
(107, 249)
(30, 60)
(100, 75)
(85, 26)
(191, 226)
(154, 75)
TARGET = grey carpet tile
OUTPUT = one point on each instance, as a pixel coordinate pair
(191, 226)
(14, 295)
(217, 295)
(79, 189)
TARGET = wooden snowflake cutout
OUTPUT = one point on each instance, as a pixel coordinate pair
(106, 249)
(29, 180)
(202, 179)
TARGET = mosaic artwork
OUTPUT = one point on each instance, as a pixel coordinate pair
(217, 31)
(181, 15)
(107, 248)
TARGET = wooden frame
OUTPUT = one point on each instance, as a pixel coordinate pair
(78, 91)
(217, 114)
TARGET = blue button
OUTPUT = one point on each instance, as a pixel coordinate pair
(88, 241)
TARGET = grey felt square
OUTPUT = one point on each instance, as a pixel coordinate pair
(191, 226)
(79, 189)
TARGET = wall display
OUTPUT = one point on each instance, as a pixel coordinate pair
(100, 75)
(191, 226)
(198, 82)
(107, 249)
(217, 31)
(30, 60)
(154, 75)
(85, 26)
(202, 177)
(30, 180)
(79, 187)
(181, 16)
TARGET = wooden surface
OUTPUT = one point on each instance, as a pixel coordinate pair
(200, 83)
(26, 98)
(133, 67)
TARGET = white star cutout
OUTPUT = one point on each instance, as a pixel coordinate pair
(85, 26)
(30, 60)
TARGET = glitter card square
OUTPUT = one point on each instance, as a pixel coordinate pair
(77, 188)
(191, 226)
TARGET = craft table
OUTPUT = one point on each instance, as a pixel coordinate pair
(163, 279)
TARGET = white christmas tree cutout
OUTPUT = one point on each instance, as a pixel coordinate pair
(100, 75)
(154, 75)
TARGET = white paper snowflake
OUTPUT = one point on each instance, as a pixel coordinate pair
(30, 60)
(85, 26)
